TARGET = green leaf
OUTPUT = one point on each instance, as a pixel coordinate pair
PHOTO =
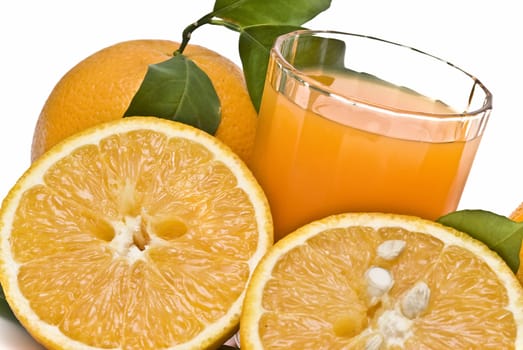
(5, 310)
(253, 12)
(256, 42)
(498, 232)
(254, 45)
(316, 52)
(179, 90)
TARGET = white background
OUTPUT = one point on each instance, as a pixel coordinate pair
(41, 40)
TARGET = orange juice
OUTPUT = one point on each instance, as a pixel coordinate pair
(322, 158)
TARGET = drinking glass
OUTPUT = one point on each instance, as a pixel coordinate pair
(352, 123)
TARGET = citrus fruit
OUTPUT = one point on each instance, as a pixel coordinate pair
(139, 233)
(380, 281)
(100, 88)
(517, 215)
(519, 273)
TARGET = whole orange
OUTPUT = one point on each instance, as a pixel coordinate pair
(100, 88)
(517, 215)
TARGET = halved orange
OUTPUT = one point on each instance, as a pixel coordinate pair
(378, 281)
(135, 234)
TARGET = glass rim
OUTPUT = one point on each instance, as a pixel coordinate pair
(318, 86)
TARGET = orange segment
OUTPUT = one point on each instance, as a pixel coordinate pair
(378, 281)
(136, 234)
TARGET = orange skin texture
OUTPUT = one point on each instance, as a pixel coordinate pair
(517, 215)
(100, 88)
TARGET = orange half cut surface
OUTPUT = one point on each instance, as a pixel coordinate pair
(136, 234)
(380, 282)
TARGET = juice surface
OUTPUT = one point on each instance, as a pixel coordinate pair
(312, 166)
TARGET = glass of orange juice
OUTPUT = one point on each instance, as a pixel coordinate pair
(353, 123)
